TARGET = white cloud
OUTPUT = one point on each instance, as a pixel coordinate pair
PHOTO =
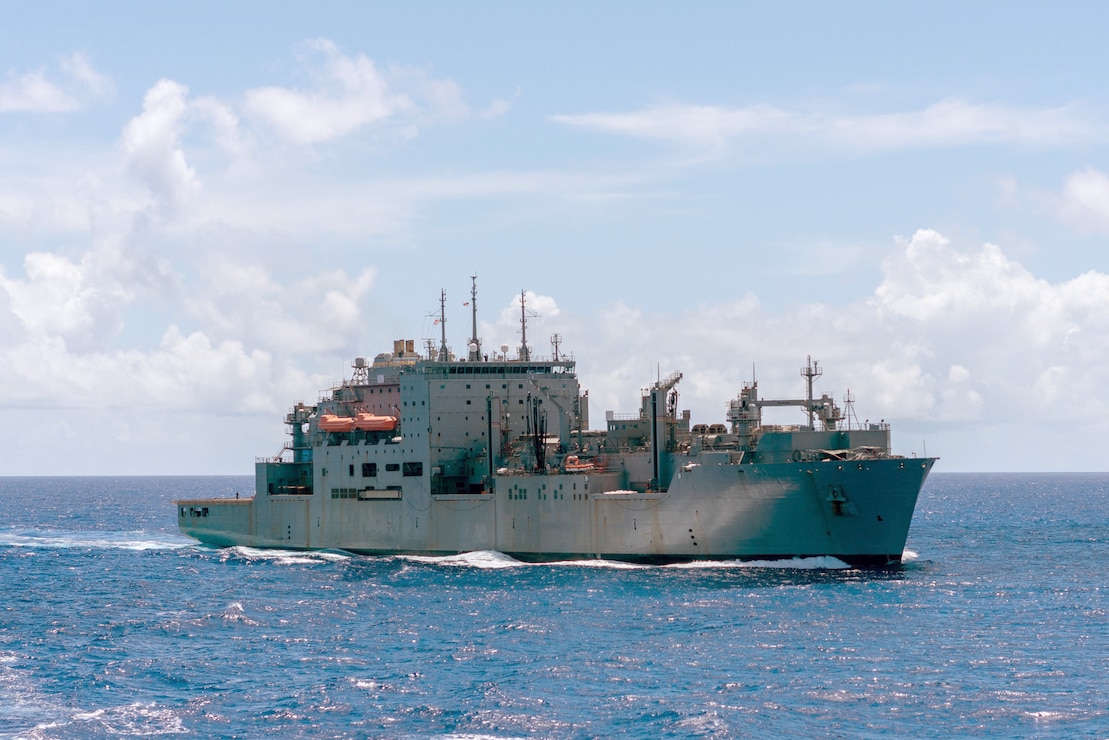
(348, 93)
(79, 302)
(947, 123)
(268, 330)
(152, 148)
(32, 92)
(1009, 333)
(951, 336)
(78, 68)
(184, 373)
(314, 314)
(37, 92)
(1084, 203)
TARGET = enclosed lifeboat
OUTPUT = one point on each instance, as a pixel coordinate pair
(333, 423)
(373, 423)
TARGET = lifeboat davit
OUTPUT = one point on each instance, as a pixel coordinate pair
(373, 423)
(333, 423)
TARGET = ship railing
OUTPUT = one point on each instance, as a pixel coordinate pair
(613, 416)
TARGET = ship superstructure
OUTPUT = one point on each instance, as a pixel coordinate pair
(426, 452)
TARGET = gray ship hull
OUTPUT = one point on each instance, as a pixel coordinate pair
(858, 512)
(433, 454)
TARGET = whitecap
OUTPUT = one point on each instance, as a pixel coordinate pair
(487, 559)
(97, 540)
(823, 562)
(492, 559)
(601, 563)
(287, 557)
(135, 719)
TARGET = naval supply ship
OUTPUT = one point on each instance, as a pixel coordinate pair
(424, 452)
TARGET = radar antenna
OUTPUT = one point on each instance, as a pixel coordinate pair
(361, 375)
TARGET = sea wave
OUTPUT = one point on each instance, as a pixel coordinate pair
(492, 559)
(59, 539)
(824, 562)
(486, 559)
(132, 719)
(284, 557)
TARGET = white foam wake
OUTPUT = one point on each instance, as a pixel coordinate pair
(823, 562)
(487, 559)
(287, 557)
(491, 559)
(55, 539)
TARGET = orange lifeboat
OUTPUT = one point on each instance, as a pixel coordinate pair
(574, 465)
(373, 423)
(333, 423)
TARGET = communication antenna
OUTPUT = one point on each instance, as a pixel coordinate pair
(556, 339)
(525, 350)
(443, 354)
(849, 410)
(475, 343)
(810, 372)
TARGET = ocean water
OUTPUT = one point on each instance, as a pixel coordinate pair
(112, 624)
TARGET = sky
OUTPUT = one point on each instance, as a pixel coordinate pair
(208, 210)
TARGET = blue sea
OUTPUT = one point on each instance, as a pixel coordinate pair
(112, 624)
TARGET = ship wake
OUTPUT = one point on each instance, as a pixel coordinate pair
(493, 560)
(93, 540)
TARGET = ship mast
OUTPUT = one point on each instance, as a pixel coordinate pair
(475, 343)
(525, 352)
(809, 372)
(443, 354)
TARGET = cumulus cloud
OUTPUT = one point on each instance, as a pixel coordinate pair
(152, 148)
(80, 302)
(952, 335)
(247, 358)
(347, 93)
(947, 123)
(75, 83)
(309, 315)
(1084, 203)
(1015, 346)
(184, 373)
